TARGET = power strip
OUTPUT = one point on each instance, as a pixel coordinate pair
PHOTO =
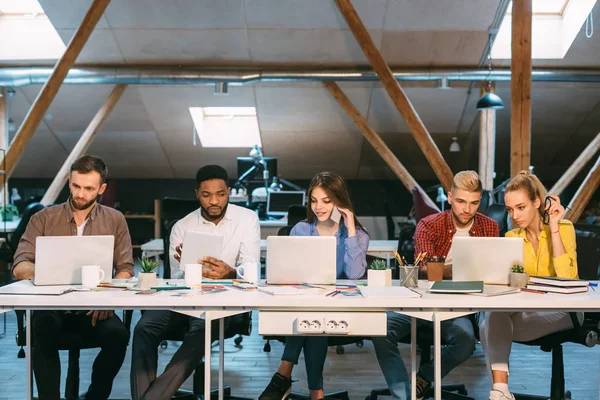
(340, 324)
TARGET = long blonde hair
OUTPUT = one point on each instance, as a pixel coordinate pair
(532, 185)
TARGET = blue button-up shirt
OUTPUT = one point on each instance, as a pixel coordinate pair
(351, 252)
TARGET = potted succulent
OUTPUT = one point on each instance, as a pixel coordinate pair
(8, 212)
(379, 275)
(517, 277)
(147, 278)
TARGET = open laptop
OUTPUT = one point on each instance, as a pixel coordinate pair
(301, 259)
(58, 259)
(487, 259)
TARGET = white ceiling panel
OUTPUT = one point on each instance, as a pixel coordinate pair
(419, 15)
(307, 46)
(439, 109)
(310, 14)
(178, 45)
(302, 154)
(307, 109)
(175, 14)
(433, 48)
(101, 47)
(68, 14)
(42, 158)
(168, 106)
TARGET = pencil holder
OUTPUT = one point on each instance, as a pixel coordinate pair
(409, 276)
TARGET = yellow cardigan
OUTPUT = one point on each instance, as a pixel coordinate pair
(544, 263)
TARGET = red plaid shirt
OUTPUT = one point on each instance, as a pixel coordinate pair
(434, 233)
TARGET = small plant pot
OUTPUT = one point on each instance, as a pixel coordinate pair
(517, 279)
(146, 280)
(379, 278)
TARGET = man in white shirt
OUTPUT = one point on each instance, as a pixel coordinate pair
(240, 229)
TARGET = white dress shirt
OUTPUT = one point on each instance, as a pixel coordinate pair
(239, 228)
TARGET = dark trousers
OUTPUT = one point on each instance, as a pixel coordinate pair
(154, 327)
(49, 328)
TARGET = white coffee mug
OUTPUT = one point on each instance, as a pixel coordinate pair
(249, 271)
(91, 276)
(193, 274)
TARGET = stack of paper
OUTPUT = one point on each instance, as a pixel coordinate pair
(26, 287)
(557, 285)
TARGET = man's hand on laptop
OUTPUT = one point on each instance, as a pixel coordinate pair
(100, 315)
(216, 269)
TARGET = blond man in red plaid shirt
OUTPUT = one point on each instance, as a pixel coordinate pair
(434, 235)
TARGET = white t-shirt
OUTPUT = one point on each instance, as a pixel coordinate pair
(239, 227)
(81, 228)
(463, 232)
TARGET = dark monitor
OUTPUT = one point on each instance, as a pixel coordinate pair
(245, 163)
(278, 203)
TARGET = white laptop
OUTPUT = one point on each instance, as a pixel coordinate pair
(487, 259)
(58, 259)
(301, 259)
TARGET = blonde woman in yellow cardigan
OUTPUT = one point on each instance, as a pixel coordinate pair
(550, 250)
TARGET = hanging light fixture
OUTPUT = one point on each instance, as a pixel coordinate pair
(454, 146)
(490, 101)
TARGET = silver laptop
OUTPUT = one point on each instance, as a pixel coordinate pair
(301, 259)
(58, 259)
(487, 259)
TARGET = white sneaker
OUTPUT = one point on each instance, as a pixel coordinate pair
(499, 395)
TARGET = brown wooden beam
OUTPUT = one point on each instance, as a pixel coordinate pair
(487, 144)
(82, 145)
(401, 101)
(378, 144)
(584, 193)
(3, 139)
(520, 98)
(570, 174)
(50, 89)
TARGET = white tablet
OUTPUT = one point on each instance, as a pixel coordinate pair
(197, 245)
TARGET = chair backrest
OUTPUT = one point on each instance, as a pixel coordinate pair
(173, 209)
(498, 213)
(485, 202)
(166, 248)
(296, 214)
(422, 209)
(31, 209)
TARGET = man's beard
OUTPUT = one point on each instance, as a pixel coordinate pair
(457, 219)
(211, 217)
(84, 206)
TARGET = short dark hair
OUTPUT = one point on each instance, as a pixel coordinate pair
(87, 164)
(209, 172)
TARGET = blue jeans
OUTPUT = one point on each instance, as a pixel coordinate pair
(315, 353)
(457, 334)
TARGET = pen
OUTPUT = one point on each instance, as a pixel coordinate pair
(533, 291)
(333, 293)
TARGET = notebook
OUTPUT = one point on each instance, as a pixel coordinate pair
(26, 287)
(456, 287)
(557, 289)
(555, 281)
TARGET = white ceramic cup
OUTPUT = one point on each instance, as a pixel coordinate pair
(249, 271)
(91, 276)
(193, 274)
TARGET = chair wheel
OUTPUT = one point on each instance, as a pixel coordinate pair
(339, 349)
(463, 392)
(238, 341)
(360, 344)
(267, 348)
(568, 395)
(164, 344)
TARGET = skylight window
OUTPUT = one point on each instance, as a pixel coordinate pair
(226, 126)
(28, 32)
(555, 26)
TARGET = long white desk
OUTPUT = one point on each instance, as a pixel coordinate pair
(377, 248)
(435, 307)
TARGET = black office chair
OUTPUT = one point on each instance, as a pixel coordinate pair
(585, 334)
(425, 339)
(73, 344)
(498, 213)
(240, 324)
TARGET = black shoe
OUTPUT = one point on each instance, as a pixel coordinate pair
(278, 389)
(423, 386)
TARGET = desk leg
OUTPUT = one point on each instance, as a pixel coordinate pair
(207, 348)
(29, 346)
(221, 356)
(437, 357)
(413, 357)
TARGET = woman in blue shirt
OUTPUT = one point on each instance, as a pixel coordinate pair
(326, 191)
